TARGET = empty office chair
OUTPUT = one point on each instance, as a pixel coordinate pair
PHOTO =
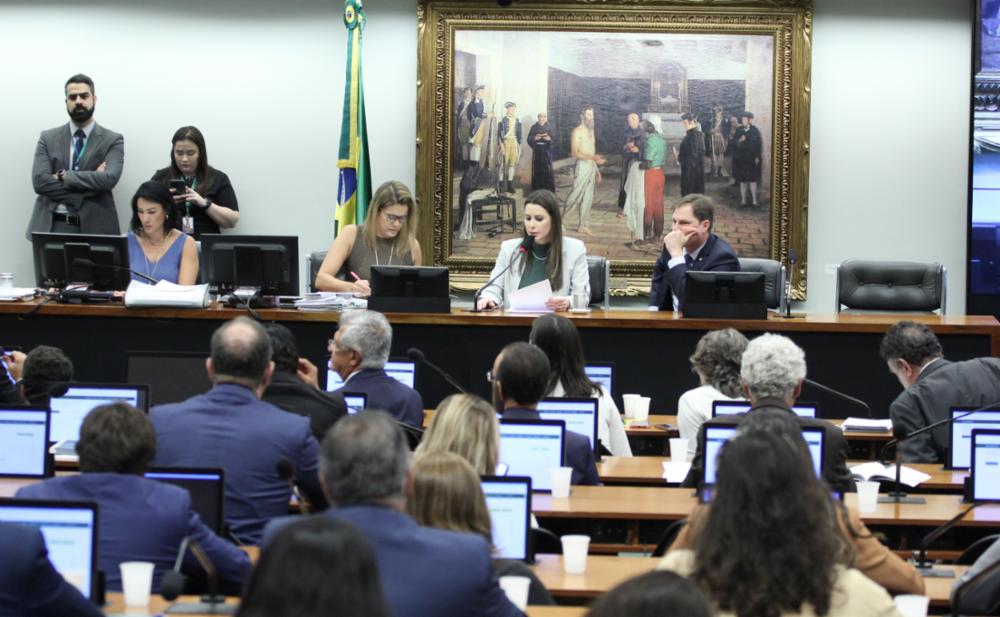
(600, 279)
(891, 286)
(775, 280)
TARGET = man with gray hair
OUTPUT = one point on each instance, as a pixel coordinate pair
(364, 468)
(772, 370)
(230, 427)
(358, 353)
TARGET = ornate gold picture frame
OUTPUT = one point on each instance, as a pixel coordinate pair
(725, 83)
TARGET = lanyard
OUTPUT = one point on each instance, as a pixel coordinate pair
(79, 156)
(194, 187)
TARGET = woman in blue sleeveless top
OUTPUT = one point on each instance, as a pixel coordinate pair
(156, 247)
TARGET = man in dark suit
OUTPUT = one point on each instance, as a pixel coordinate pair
(690, 245)
(230, 427)
(294, 385)
(365, 467)
(772, 371)
(520, 380)
(29, 584)
(75, 167)
(358, 353)
(140, 519)
(933, 386)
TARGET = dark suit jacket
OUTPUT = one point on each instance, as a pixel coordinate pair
(229, 427)
(322, 408)
(388, 394)
(835, 470)
(143, 520)
(577, 451)
(942, 385)
(715, 256)
(425, 572)
(29, 585)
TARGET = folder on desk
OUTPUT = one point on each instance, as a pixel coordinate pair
(166, 294)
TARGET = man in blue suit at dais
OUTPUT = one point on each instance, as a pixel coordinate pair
(140, 519)
(358, 353)
(690, 245)
(520, 380)
(425, 572)
(230, 427)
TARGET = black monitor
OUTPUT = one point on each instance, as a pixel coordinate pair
(409, 289)
(61, 260)
(724, 295)
(267, 263)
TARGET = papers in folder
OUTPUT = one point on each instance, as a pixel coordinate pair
(166, 294)
(866, 424)
(907, 475)
(531, 299)
(330, 301)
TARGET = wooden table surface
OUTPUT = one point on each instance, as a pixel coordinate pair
(661, 425)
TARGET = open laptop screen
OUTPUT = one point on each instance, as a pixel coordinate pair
(405, 371)
(24, 441)
(579, 414)
(716, 436)
(509, 502)
(985, 465)
(205, 485)
(603, 373)
(731, 408)
(355, 401)
(960, 433)
(69, 410)
(531, 448)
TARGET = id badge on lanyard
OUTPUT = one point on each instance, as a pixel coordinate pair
(187, 221)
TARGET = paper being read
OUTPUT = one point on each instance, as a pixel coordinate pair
(531, 299)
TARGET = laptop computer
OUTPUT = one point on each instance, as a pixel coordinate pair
(206, 485)
(405, 371)
(579, 414)
(69, 410)
(603, 373)
(24, 441)
(729, 408)
(356, 401)
(70, 531)
(531, 448)
(984, 469)
(960, 433)
(509, 502)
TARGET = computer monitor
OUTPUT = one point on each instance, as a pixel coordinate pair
(508, 499)
(70, 532)
(98, 261)
(172, 376)
(206, 485)
(717, 436)
(405, 371)
(531, 448)
(960, 433)
(603, 373)
(356, 402)
(409, 289)
(724, 295)
(69, 410)
(24, 441)
(267, 263)
(815, 438)
(579, 414)
(732, 408)
(985, 465)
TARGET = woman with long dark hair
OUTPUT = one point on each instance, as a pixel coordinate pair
(560, 340)
(156, 248)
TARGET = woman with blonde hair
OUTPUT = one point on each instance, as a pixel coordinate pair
(466, 425)
(387, 238)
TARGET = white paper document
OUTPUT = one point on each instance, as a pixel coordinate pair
(166, 294)
(329, 301)
(531, 299)
(867, 424)
(674, 472)
(907, 475)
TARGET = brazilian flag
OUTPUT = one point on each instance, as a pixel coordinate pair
(355, 188)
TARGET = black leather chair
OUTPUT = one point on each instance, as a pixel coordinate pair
(891, 286)
(775, 278)
(313, 261)
(599, 271)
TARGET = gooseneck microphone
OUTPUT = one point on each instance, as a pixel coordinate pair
(526, 245)
(89, 263)
(925, 568)
(840, 395)
(172, 584)
(287, 473)
(418, 356)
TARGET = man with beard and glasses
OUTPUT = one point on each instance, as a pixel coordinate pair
(76, 166)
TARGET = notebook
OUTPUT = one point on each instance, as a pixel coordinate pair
(24, 441)
(531, 448)
(69, 410)
(579, 414)
(206, 486)
(509, 502)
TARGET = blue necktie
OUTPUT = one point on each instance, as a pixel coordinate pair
(77, 148)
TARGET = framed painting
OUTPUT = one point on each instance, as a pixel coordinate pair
(566, 95)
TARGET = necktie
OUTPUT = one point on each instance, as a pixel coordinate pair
(688, 260)
(78, 148)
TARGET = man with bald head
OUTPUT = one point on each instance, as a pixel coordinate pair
(230, 427)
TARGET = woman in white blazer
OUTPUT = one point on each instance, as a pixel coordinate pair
(561, 260)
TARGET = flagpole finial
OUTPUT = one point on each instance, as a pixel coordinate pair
(354, 14)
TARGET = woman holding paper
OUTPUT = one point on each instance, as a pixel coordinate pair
(156, 248)
(547, 255)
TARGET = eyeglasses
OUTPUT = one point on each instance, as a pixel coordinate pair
(394, 218)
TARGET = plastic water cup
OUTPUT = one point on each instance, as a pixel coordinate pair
(580, 301)
(629, 401)
(516, 588)
(575, 554)
(137, 580)
(641, 413)
(6, 284)
(678, 449)
(867, 496)
(909, 605)
(561, 477)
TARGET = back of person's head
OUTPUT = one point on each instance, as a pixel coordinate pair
(45, 368)
(772, 367)
(911, 341)
(717, 358)
(241, 352)
(522, 374)
(466, 425)
(315, 567)
(560, 340)
(284, 350)
(655, 594)
(364, 459)
(369, 334)
(445, 493)
(116, 438)
(769, 543)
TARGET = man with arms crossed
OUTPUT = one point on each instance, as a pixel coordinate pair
(586, 175)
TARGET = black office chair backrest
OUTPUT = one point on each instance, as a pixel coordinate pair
(774, 279)
(891, 286)
(597, 267)
(313, 262)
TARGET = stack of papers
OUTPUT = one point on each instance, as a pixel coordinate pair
(19, 293)
(531, 299)
(674, 472)
(866, 424)
(330, 301)
(874, 470)
(166, 294)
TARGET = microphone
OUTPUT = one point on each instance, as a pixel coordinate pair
(793, 258)
(287, 473)
(925, 568)
(418, 356)
(81, 262)
(526, 245)
(172, 584)
(840, 395)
